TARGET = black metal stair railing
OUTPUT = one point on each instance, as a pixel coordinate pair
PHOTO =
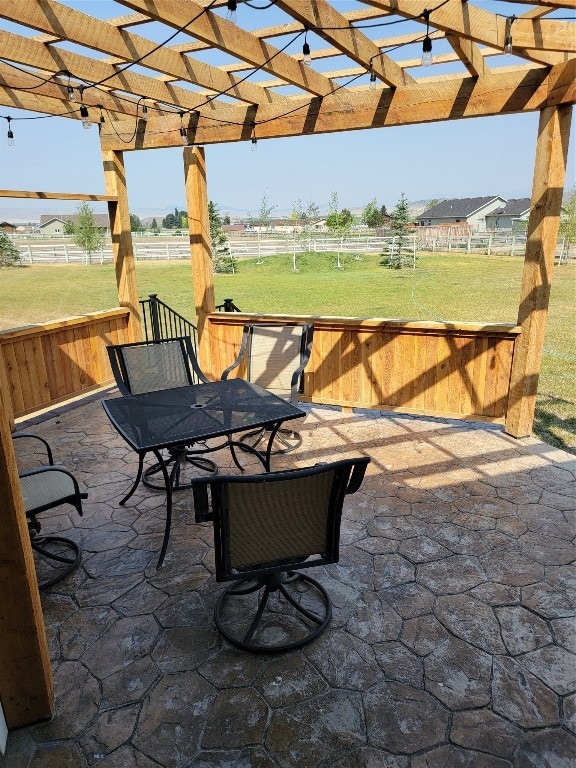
(160, 321)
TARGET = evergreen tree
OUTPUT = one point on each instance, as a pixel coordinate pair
(400, 219)
(154, 227)
(135, 223)
(221, 256)
(9, 253)
(86, 234)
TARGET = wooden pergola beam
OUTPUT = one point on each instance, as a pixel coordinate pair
(543, 224)
(515, 91)
(20, 193)
(226, 36)
(26, 686)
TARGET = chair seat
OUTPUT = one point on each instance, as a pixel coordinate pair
(46, 487)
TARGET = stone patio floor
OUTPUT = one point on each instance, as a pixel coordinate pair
(452, 642)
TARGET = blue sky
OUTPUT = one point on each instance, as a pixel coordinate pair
(463, 158)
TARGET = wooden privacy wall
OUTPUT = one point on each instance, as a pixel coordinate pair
(444, 369)
(45, 364)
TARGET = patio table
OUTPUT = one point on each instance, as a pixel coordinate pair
(167, 418)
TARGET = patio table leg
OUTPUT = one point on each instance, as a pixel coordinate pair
(168, 508)
(138, 476)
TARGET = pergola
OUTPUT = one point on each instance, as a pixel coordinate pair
(146, 94)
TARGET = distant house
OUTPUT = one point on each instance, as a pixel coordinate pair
(510, 215)
(231, 228)
(51, 224)
(5, 226)
(470, 211)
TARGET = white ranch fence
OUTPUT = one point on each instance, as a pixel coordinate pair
(260, 245)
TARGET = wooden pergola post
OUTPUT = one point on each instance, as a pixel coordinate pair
(26, 688)
(547, 190)
(119, 214)
(200, 241)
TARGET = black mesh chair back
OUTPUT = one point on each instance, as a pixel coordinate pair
(275, 356)
(43, 488)
(148, 366)
(267, 529)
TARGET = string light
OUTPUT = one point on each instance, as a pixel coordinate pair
(307, 58)
(508, 49)
(144, 115)
(101, 114)
(10, 134)
(84, 114)
(254, 140)
(427, 58)
(373, 78)
(231, 12)
(183, 131)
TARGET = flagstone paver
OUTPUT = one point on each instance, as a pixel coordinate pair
(453, 637)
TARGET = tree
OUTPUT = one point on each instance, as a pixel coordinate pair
(226, 219)
(265, 211)
(9, 253)
(135, 223)
(432, 203)
(154, 227)
(373, 216)
(86, 234)
(174, 220)
(221, 255)
(568, 222)
(400, 219)
(338, 222)
(303, 218)
(68, 227)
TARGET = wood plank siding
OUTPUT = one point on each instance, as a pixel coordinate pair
(442, 369)
(45, 364)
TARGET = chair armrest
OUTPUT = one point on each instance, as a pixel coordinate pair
(60, 470)
(357, 474)
(241, 353)
(19, 435)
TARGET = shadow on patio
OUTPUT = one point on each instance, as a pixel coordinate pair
(452, 641)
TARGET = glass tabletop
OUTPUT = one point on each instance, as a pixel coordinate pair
(189, 414)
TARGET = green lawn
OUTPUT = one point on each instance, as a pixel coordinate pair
(454, 287)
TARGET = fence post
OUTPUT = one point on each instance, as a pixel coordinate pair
(167, 251)
(489, 245)
(469, 244)
(29, 253)
(154, 319)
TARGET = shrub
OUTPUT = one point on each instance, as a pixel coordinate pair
(9, 253)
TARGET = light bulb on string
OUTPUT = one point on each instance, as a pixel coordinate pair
(427, 58)
(373, 78)
(183, 131)
(10, 134)
(254, 140)
(306, 57)
(231, 12)
(85, 115)
(102, 120)
(71, 91)
(508, 49)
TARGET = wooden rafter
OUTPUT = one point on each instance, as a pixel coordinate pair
(251, 84)
(455, 97)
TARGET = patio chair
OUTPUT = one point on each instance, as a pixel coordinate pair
(149, 366)
(267, 529)
(45, 488)
(274, 356)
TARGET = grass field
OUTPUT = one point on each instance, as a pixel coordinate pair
(454, 287)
